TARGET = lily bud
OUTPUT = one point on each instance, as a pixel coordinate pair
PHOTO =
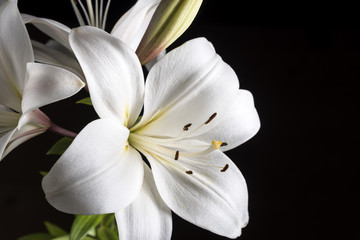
(170, 20)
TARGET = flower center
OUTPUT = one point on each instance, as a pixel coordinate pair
(96, 18)
(179, 152)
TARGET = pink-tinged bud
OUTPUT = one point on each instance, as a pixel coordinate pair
(170, 20)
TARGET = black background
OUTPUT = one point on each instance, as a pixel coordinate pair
(301, 62)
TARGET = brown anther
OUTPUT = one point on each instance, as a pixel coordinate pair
(186, 127)
(211, 118)
(177, 155)
(189, 172)
(223, 144)
(225, 168)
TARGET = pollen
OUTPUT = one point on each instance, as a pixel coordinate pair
(216, 144)
(225, 168)
(211, 118)
(186, 127)
(176, 155)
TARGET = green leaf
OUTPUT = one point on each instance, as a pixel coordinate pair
(83, 224)
(86, 101)
(108, 220)
(92, 232)
(89, 238)
(37, 236)
(54, 230)
(60, 146)
(66, 237)
(104, 233)
(43, 173)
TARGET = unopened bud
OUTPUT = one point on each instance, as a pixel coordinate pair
(170, 20)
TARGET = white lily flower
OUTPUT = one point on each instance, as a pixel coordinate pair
(24, 85)
(193, 109)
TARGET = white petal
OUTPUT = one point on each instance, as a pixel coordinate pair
(239, 125)
(132, 25)
(187, 86)
(97, 174)
(8, 119)
(29, 125)
(15, 52)
(147, 217)
(47, 84)
(211, 199)
(53, 29)
(113, 73)
(4, 140)
(9, 94)
(52, 53)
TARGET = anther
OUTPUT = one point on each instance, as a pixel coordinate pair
(225, 168)
(223, 144)
(177, 155)
(211, 118)
(186, 127)
(216, 144)
(189, 172)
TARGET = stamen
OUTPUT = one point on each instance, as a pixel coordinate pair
(89, 15)
(189, 172)
(85, 12)
(91, 12)
(225, 168)
(223, 144)
(216, 144)
(101, 13)
(105, 14)
(186, 127)
(211, 118)
(177, 155)
(97, 13)
(77, 12)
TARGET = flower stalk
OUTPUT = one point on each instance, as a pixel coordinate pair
(61, 131)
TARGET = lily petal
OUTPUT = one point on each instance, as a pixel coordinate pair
(52, 53)
(132, 25)
(31, 124)
(188, 86)
(4, 140)
(53, 29)
(113, 73)
(47, 84)
(239, 125)
(15, 52)
(211, 199)
(147, 217)
(8, 119)
(99, 173)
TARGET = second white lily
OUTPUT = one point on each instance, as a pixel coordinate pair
(193, 109)
(25, 85)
